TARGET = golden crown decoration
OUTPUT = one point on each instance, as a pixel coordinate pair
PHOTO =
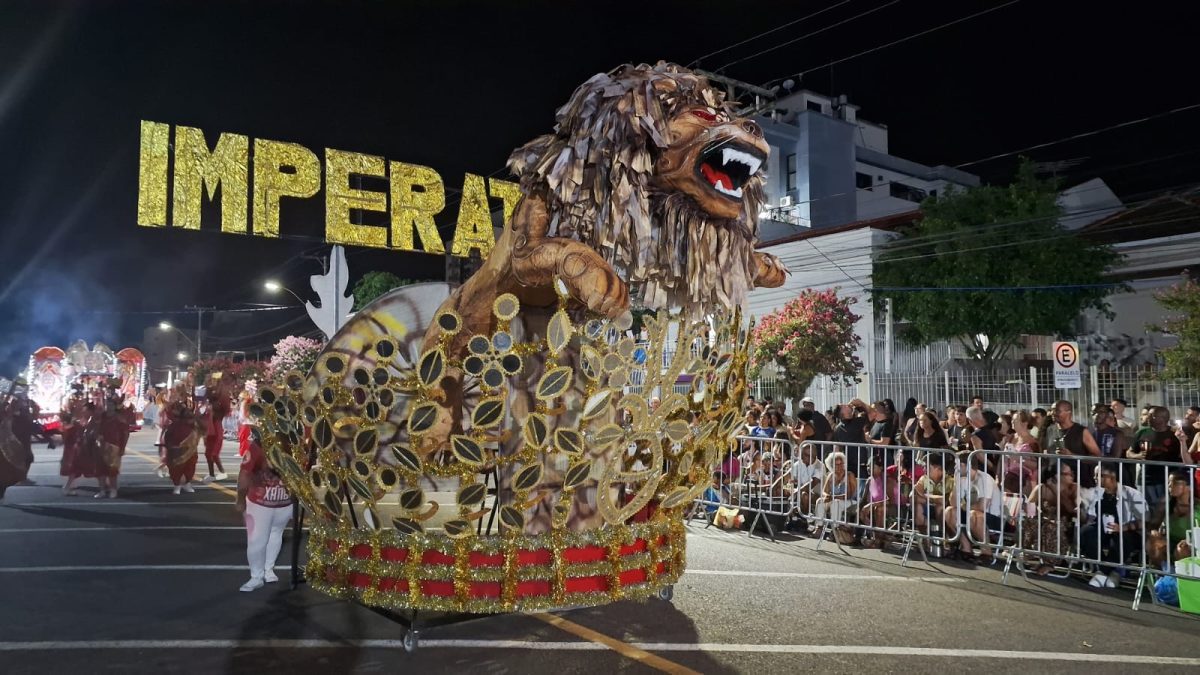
(589, 445)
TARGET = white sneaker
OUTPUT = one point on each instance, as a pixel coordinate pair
(221, 476)
(1098, 581)
(187, 487)
(71, 492)
(206, 479)
(252, 585)
(99, 495)
(177, 489)
(270, 577)
(1112, 581)
(112, 494)
(162, 471)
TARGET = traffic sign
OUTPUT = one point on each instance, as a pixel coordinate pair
(1066, 365)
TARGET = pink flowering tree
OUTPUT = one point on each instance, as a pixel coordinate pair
(809, 336)
(292, 353)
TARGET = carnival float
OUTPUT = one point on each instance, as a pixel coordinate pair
(54, 375)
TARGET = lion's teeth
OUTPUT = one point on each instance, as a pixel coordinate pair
(734, 155)
(737, 194)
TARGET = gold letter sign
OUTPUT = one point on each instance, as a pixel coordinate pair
(264, 172)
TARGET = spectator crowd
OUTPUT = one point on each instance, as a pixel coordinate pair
(967, 481)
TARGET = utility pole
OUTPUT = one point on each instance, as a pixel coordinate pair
(199, 325)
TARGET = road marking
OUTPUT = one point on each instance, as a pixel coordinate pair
(623, 648)
(716, 647)
(814, 575)
(212, 484)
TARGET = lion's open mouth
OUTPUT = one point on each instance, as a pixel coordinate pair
(726, 166)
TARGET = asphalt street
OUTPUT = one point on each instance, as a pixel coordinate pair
(148, 583)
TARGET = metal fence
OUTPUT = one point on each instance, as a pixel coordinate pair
(1028, 511)
(1003, 389)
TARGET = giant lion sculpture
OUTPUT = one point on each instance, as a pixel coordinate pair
(647, 183)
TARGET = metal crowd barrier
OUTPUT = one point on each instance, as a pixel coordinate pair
(1026, 508)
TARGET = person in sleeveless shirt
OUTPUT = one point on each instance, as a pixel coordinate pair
(1066, 437)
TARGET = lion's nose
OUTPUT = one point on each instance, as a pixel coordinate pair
(751, 127)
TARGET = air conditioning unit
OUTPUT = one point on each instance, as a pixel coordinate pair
(785, 200)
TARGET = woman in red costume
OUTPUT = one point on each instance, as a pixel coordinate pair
(73, 465)
(214, 414)
(181, 438)
(111, 436)
(244, 423)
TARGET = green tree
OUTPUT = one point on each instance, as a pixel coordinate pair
(374, 284)
(1183, 358)
(1032, 276)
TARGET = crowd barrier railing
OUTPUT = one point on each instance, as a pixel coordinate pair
(1028, 510)
(1112, 517)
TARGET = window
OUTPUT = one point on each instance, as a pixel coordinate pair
(863, 180)
(814, 106)
(791, 173)
(907, 192)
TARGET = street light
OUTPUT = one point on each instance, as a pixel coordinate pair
(274, 287)
(166, 326)
(182, 356)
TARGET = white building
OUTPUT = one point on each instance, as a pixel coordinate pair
(829, 167)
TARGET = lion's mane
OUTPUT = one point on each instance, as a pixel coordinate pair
(596, 174)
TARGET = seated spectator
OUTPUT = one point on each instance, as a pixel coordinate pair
(901, 474)
(980, 509)
(873, 507)
(932, 492)
(1113, 530)
(1173, 519)
(715, 495)
(837, 496)
(1050, 532)
(805, 475)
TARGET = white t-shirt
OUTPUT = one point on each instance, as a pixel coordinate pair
(984, 487)
(803, 474)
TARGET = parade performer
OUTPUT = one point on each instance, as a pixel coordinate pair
(108, 445)
(182, 429)
(217, 408)
(267, 508)
(16, 451)
(73, 465)
(244, 422)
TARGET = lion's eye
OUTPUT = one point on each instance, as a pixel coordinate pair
(705, 114)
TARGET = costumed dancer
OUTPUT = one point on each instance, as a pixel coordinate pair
(244, 422)
(214, 413)
(163, 400)
(181, 440)
(267, 507)
(73, 466)
(16, 450)
(111, 437)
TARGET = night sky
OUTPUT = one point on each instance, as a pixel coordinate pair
(457, 85)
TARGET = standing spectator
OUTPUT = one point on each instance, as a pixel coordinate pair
(929, 433)
(822, 431)
(984, 436)
(1124, 425)
(752, 417)
(960, 430)
(850, 435)
(266, 507)
(1065, 437)
(977, 402)
(1113, 532)
(1189, 425)
(895, 414)
(883, 432)
(1108, 436)
(1019, 475)
(1039, 425)
(1157, 443)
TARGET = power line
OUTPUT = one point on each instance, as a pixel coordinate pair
(909, 37)
(766, 32)
(811, 34)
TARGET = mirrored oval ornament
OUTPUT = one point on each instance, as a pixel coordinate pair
(506, 307)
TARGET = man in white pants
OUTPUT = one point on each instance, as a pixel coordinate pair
(267, 507)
